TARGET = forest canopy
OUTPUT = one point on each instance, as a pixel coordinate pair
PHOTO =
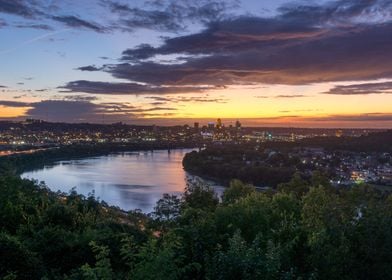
(304, 230)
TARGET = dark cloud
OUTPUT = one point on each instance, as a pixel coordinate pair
(166, 15)
(69, 111)
(185, 99)
(157, 103)
(169, 15)
(76, 22)
(19, 7)
(34, 26)
(360, 54)
(79, 110)
(2, 23)
(127, 88)
(14, 104)
(2, 86)
(340, 12)
(79, 98)
(90, 68)
(139, 18)
(291, 96)
(39, 10)
(230, 35)
(302, 45)
(359, 89)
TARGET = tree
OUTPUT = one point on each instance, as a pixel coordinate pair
(102, 269)
(17, 260)
(297, 186)
(199, 195)
(167, 208)
(257, 260)
(326, 222)
(236, 191)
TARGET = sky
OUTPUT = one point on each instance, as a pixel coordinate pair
(168, 62)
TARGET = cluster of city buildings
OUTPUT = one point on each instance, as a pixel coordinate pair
(38, 133)
(347, 168)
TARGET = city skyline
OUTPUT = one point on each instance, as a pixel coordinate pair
(267, 63)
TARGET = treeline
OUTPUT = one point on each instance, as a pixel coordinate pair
(243, 162)
(306, 230)
(373, 142)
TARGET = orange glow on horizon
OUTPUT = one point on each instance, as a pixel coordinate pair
(12, 112)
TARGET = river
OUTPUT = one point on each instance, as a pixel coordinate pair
(132, 180)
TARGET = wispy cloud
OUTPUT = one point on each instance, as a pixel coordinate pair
(33, 40)
(128, 88)
(360, 89)
(76, 22)
(20, 8)
(187, 99)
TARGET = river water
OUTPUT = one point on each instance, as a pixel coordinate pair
(133, 180)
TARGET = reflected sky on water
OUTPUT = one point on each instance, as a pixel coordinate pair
(134, 180)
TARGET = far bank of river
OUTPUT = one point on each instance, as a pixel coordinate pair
(129, 180)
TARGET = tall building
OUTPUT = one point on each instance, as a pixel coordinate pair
(219, 124)
(196, 125)
(211, 125)
(238, 124)
(339, 133)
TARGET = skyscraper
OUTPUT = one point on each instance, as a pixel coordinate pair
(238, 124)
(219, 124)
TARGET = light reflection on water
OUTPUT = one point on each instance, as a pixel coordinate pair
(134, 180)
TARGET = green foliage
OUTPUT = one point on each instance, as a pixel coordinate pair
(297, 186)
(243, 261)
(199, 195)
(231, 162)
(17, 261)
(236, 191)
(43, 234)
(305, 230)
(167, 208)
(102, 269)
(157, 262)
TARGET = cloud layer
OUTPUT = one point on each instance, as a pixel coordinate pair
(83, 110)
(199, 48)
(128, 88)
(86, 111)
(165, 15)
(303, 44)
(365, 88)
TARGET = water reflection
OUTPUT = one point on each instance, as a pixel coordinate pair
(129, 180)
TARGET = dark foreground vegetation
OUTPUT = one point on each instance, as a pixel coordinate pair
(305, 230)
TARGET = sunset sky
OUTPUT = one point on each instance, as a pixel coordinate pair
(164, 62)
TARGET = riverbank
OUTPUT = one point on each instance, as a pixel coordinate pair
(16, 164)
(129, 180)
